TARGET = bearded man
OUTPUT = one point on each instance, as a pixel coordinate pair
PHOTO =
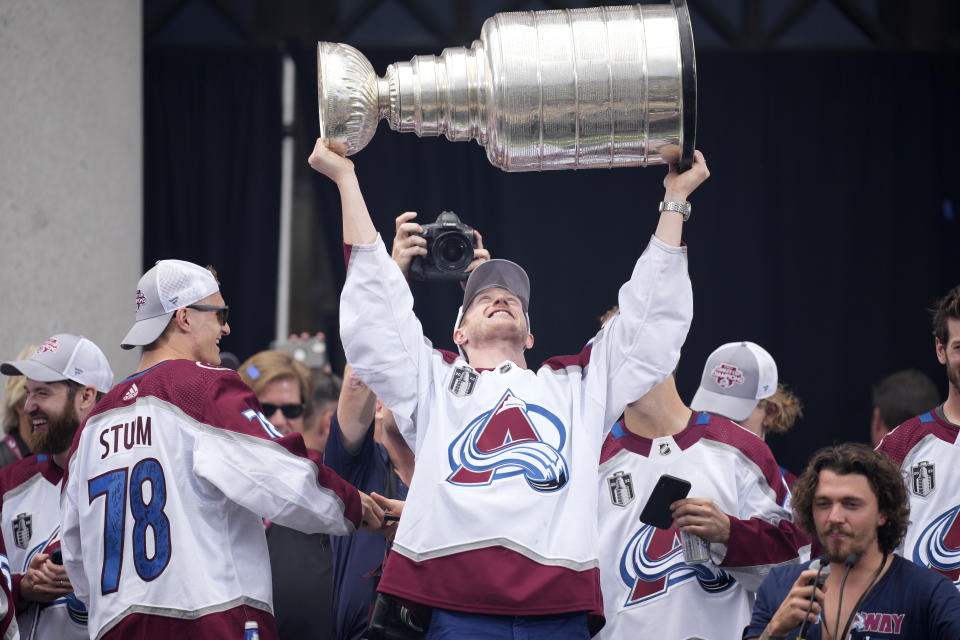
(65, 378)
(927, 451)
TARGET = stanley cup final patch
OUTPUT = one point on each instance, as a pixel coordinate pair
(621, 488)
(463, 381)
(22, 529)
(924, 481)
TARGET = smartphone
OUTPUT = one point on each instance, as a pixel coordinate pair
(56, 557)
(389, 518)
(312, 352)
(668, 490)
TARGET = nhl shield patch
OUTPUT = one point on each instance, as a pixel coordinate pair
(621, 488)
(463, 382)
(22, 529)
(924, 480)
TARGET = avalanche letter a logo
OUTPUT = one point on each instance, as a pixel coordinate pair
(513, 438)
(938, 547)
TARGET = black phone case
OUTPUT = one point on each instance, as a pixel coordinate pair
(668, 490)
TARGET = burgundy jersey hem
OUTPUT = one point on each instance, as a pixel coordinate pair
(493, 581)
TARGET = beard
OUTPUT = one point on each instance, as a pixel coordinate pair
(58, 436)
(953, 376)
(840, 549)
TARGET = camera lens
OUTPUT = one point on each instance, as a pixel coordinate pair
(452, 252)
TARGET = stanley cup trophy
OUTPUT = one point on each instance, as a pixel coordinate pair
(540, 90)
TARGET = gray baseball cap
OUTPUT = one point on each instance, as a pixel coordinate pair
(65, 357)
(498, 273)
(736, 377)
(167, 286)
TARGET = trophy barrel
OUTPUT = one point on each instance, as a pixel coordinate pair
(605, 87)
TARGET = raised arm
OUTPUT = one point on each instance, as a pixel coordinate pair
(678, 187)
(355, 410)
(639, 347)
(382, 338)
(328, 159)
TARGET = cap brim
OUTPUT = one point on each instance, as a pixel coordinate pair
(736, 409)
(31, 369)
(498, 273)
(145, 331)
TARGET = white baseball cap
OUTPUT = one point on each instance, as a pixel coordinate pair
(167, 286)
(736, 377)
(65, 357)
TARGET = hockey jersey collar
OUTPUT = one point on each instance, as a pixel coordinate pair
(49, 469)
(142, 373)
(696, 427)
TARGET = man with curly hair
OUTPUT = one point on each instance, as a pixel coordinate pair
(853, 499)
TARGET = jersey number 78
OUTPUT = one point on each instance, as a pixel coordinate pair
(147, 514)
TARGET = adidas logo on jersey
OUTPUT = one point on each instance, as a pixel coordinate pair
(131, 392)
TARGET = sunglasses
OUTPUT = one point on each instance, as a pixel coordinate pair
(290, 411)
(222, 312)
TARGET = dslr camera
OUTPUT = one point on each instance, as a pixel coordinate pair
(392, 621)
(449, 250)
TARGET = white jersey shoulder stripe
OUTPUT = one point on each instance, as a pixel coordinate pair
(186, 419)
(23, 487)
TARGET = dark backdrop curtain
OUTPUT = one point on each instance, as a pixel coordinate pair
(825, 231)
(212, 134)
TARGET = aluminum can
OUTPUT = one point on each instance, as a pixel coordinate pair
(696, 550)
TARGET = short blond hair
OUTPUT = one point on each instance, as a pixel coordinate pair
(265, 367)
(14, 394)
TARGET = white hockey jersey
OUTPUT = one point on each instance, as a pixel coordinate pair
(166, 486)
(8, 620)
(928, 453)
(648, 590)
(500, 518)
(30, 493)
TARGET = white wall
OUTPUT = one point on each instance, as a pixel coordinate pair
(70, 172)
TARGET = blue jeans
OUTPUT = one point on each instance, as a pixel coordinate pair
(458, 625)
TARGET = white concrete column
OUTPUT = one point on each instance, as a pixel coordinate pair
(70, 172)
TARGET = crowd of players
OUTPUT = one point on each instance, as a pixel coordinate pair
(462, 495)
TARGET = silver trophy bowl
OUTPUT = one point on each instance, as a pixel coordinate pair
(540, 90)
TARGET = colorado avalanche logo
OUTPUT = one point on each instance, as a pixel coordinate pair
(858, 622)
(938, 547)
(75, 608)
(513, 438)
(652, 563)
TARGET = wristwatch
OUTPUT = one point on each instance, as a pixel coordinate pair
(683, 208)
